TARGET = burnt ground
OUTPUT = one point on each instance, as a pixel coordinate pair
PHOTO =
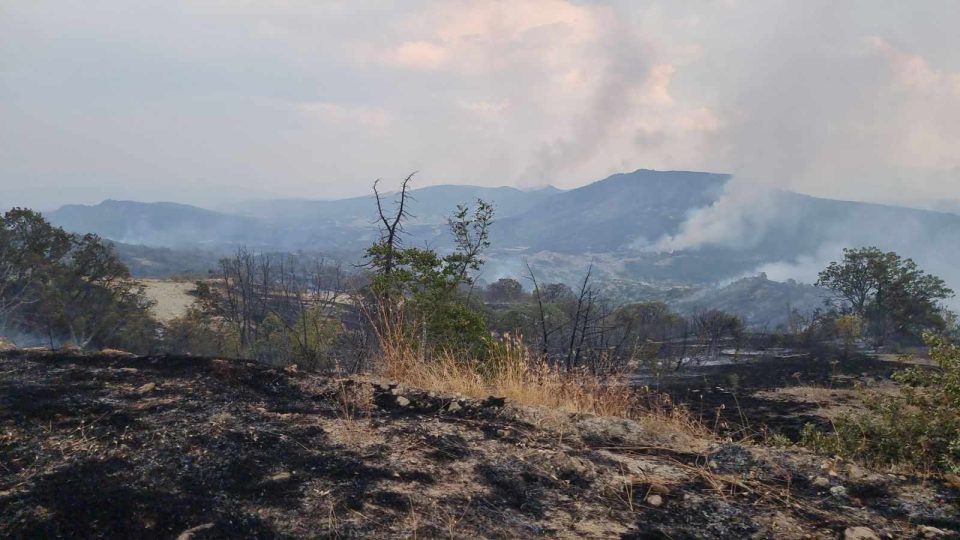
(740, 393)
(112, 445)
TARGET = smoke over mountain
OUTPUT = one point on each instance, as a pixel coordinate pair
(626, 69)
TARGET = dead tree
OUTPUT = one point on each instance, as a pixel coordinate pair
(581, 298)
(392, 226)
(544, 333)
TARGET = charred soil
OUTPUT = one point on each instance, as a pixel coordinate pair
(113, 445)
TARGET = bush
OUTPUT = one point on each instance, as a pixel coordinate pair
(919, 428)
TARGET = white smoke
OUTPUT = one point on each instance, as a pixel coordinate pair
(738, 218)
(626, 69)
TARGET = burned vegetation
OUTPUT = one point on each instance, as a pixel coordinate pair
(116, 445)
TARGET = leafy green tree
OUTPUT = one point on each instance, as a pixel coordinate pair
(30, 248)
(890, 293)
(68, 287)
(428, 287)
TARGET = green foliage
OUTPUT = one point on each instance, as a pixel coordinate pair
(429, 288)
(312, 335)
(505, 290)
(68, 287)
(920, 427)
(849, 328)
(892, 295)
(196, 332)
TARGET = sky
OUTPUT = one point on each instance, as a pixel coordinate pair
(209, 102)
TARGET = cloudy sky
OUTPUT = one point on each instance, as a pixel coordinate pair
(206, 101)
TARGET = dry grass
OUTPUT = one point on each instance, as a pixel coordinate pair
(511, 371)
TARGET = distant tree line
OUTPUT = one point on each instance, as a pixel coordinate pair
(59, 288)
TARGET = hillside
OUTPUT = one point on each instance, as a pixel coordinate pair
(623, 211)
(758, 301)
(627, 212)
(113, 445)
(617, 224)
(429, 205)
(160, 224)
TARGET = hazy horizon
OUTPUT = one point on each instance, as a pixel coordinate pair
(203, 102)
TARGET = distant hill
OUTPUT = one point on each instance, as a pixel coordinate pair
(161, 262)
(622, 211)
(158, 224)
(429, 205)
(615, 223)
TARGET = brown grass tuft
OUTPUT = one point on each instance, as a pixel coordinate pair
(509, 370)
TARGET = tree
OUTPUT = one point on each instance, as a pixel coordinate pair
(277, 308)
(29, 249)
(849, 328)
(67, 287)
(557, 292)
(713, 325)
(505, 290)
(891, 294)
(424, 288)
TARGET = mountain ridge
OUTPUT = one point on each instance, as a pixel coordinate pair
(624, 217)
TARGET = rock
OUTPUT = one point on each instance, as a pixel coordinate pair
(384, 386)
(453, 407)
(117, 353)
(659, 489)
(402, 401)
(147, 388)
(856, 472)
(927, 531)
(859, 533)
(655, 500)
(282, 476)
(188, 534)
(838, 491)
(952, 480)
(821, 482)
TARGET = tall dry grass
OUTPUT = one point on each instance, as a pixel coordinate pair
(510, 370)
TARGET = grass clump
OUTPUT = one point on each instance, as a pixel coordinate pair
(919, 428)
(508, 369)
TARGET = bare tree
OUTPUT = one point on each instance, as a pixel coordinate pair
(544, 332)
(585, 291)
(392, 225)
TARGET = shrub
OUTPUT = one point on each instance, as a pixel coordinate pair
(919, 427)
